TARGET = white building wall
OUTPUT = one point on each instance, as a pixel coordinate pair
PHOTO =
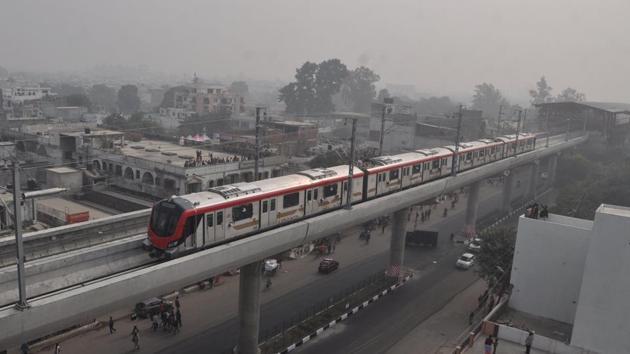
(602, 322)
(548, 262)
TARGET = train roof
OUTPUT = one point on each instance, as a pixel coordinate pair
(383, 162)
(512, 137)
(328, 174)
(435, 152)
(468, 146)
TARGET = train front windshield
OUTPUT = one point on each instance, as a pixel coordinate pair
(164, 218)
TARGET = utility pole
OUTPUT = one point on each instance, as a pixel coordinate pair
(257, 148)
(566, 137)
(586, 114)
(386, 101)
(460, 114)
(498, 131)
(518, 131)
(17, 221)
(351, 164)
(548, 132)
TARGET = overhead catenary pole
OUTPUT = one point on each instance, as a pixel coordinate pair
(386, 101)
(257, 148)
(566, 137)
(457, 137)
(518, 131)
(17, 221)
(351, 165)
(548, 132)
(498, 130)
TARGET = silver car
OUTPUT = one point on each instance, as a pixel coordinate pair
(465, 261)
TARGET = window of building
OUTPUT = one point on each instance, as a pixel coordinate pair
(242, 212)
(416, 169)
(330, 190)
(290, 200)
(137, 174)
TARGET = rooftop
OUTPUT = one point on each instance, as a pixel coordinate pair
(62, 170)
(614, 210)
(173, 154)
(613, 107)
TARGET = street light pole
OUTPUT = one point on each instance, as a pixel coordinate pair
(351, 164)
(17, 221)
(459, 128)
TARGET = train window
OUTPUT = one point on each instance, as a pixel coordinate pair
(426, 165)
(435, 164)
(330, 190)
(481, 153)
(468, 156)
(416, 169)
(315, 193)
(220, 218)
(164, 218)
(444, 161)
(242, 212)
(210, 220)
(264, 206)
(290, 200)
(308, 196)
(393, 174)
(272, 205)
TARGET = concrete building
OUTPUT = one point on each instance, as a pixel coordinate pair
(64, 177)
(21, 102)
(575, 271)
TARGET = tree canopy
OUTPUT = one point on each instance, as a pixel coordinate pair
(103, 97)
(571, 95)
(488, 98)
(542, 93)
(78, 100)
(315, 85)
(128, 100)
(494, 260)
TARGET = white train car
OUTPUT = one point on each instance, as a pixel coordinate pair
(436, 163)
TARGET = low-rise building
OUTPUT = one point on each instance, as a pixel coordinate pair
(574, 271)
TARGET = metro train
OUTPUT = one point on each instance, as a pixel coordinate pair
(183, 224)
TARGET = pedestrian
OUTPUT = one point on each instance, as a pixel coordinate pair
(154, 323)
(367, 238)
(496, 344)
(487, 348)
(178, 317)
(268, 283)
(529, 341)
(177, 304)
(136, 340)
(111, 325)
(57, 348)
(471, 317)
(24, 348)
(135, 330)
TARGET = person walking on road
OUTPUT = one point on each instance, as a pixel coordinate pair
(111, 325)
(135, 337)
(529, 341)
(177, 304)
(178, 317)
(487, 347)
(57, 348)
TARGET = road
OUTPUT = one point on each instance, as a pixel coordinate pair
(436, 281)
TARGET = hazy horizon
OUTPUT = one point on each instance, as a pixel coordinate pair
(439, 46)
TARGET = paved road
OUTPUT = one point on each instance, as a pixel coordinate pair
(435, 284)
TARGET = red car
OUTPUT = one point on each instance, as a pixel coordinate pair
(327, 265)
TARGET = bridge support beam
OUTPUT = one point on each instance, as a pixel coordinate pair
(249, 308)
(552, 165)
(397, 246)
(533, 180)
(472, 206)
(508, 185)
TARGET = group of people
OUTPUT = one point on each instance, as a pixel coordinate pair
(211, 160)
(534, 211)
(169, 319)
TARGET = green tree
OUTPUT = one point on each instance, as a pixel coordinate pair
(362, 90)
(328, 79)
(382, 95)
(542, 93)
(488, 98)
(571, 95)
(128, 100)
(494, 260)
(103, 97)
(78, 100)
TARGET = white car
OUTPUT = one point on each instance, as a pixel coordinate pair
(271, 266)
(465, 261)
(474, 245)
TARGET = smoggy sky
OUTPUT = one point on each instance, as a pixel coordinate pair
(441, 46)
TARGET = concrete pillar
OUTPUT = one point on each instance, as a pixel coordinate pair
(249, 308)
(551, 168)
(508, 182)
(472, 205)
(533, 180)
(397, 247)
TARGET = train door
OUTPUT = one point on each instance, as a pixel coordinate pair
(219, 226)
(416, 174)
(310, 202)
(272, 212)
(370, 187)
(264, 214)
(406, 176)
(200, 232)
(210, 237)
